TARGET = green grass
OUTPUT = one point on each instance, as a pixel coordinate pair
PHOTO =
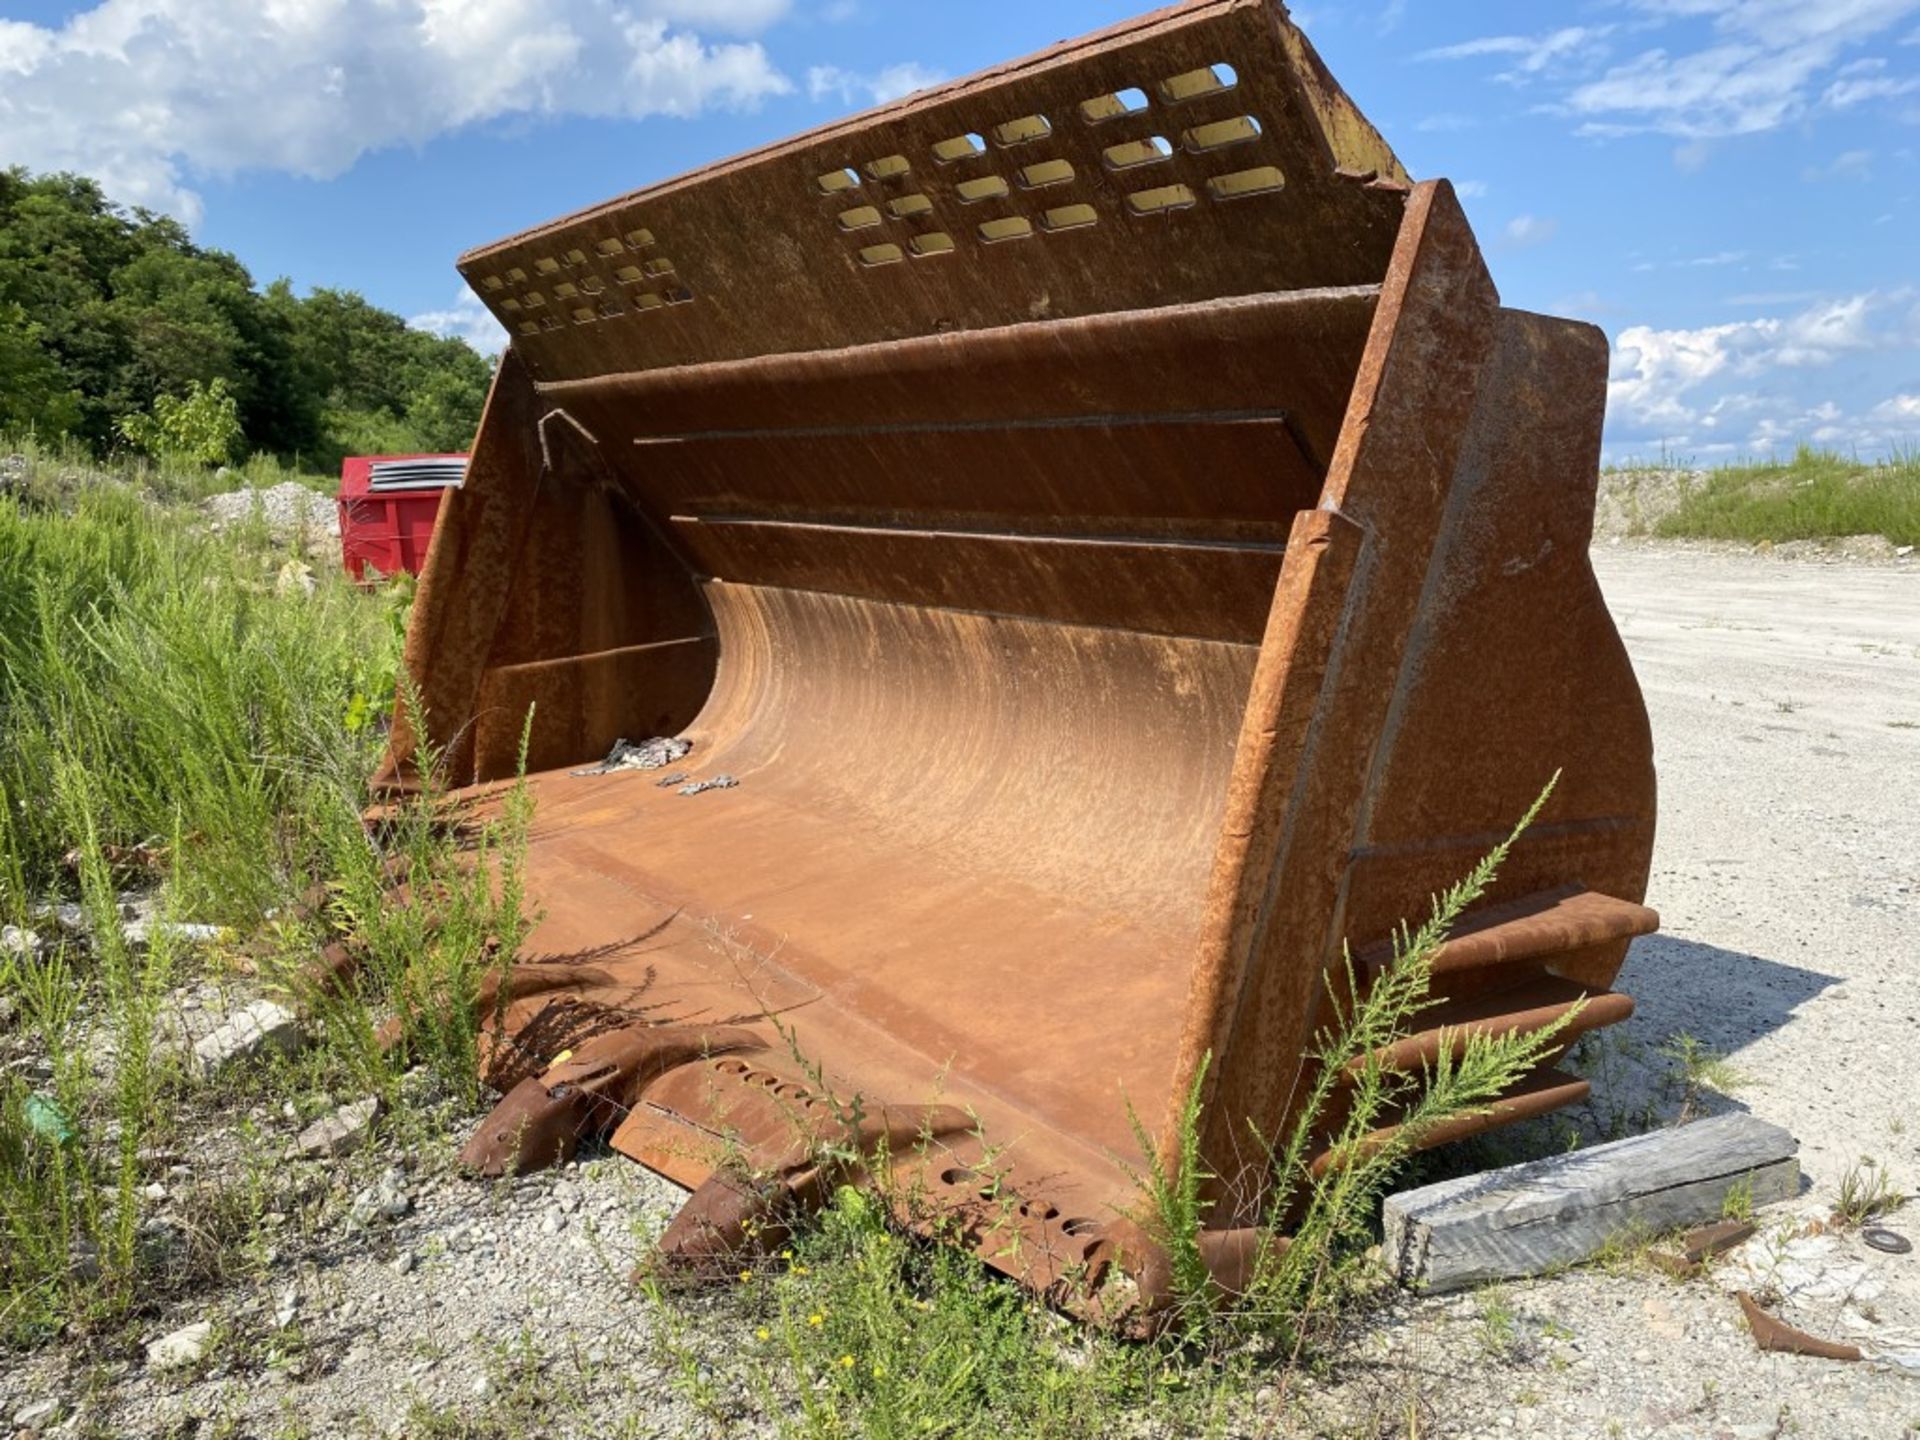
(203, 705)
(171, 716)
(1818, 494)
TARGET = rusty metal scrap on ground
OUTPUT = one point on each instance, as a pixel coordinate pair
(1104, 518)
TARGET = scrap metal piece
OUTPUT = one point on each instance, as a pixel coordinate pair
(543, 1119)
(712, 782)
(654, 754)
(1118, 573)
(1772, 1333)
(1700, 1245)
(1891, 1242)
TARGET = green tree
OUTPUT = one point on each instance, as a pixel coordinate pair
(34, 394)
(108, 313)
(201, 427)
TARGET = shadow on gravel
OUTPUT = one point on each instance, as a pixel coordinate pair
(1725, 999)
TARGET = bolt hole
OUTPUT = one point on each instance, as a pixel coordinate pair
(1009, 227)
(1068, 217)
(959, 147)
(984, 187)
(1192, 84)
(1046, 172)
(1220, 134)
(1161, 200)
(1079, 1225)
(1100, 108)
(1021, 131)
(1263, 180)
(1130, 153)
(838, 182)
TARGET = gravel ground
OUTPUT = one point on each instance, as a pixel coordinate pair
(1786, 711)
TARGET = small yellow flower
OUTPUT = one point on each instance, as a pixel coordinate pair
(800, 1270)
(878, 1370)
(763, 1333)
(746, 1277)
(786, 1255)
(816, 1318)
(846, 1362)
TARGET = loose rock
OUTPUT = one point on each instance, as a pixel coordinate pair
(183, 1347)
(387, 1198)
(142, 933)
(261, 1028)
(340, 1133)
(36, 1416)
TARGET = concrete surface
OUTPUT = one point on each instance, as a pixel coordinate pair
(1786, 719)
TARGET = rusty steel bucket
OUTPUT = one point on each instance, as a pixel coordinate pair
(1103, 519)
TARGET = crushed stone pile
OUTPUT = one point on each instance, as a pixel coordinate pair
(285, 508)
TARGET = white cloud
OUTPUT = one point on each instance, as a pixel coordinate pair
(1444, 122)
(1844, 94)
(1847, 165)
(1531, 229)
(1742, 385)
(870, 88)
(465, 319)
(1470, 189)
(1758, 73)
(148, 94)
(1532, 54)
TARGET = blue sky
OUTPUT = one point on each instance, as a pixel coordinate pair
(1728, 187)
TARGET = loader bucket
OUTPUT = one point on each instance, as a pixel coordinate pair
(1102, 521)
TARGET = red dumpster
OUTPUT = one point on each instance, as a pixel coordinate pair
(387, 509)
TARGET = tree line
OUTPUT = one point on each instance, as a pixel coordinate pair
(116, 329)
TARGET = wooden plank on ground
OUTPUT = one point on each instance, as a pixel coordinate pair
(1559, 1211)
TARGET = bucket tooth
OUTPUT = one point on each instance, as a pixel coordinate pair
(1535, 1004)
(1106, 588)
(1532, 929)
(1541, 1092)
(544, 1118)
(749, 1207)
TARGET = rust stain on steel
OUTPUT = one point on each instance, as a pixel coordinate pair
(1772, 1333)
(1114, 586)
